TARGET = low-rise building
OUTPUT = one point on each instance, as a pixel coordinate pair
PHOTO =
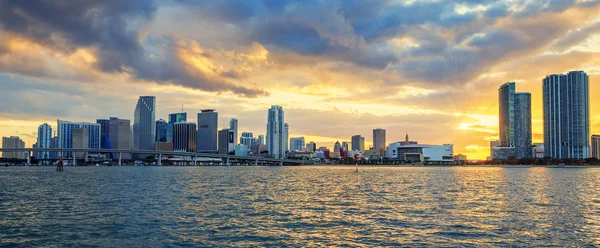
(423, 153)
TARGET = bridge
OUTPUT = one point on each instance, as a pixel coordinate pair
(255, 160)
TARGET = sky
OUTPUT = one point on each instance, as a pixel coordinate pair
(431, 69)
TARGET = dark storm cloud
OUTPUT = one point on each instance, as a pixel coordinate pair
(112, 26)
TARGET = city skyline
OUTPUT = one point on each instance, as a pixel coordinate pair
(433, 81)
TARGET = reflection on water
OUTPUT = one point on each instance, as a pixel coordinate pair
(299, 206)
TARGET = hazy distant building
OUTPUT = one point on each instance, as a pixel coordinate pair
(261, 139)
(208, 121)
(247, 139)
(567, 115)
(297, 144)
(119, 135)
(144, 129)
(358, 143)
(596, 146)
(13, 142)
(161, 130)
(44, 136)
(337, 147)
(515, 120)
(81, 139)
(322, 148)
(184, 137)
(286, 135)
(226, 141)
(65, 135)
(174, 118)
(233, 126)
(276, 132)
(311, 147)
(379, 143)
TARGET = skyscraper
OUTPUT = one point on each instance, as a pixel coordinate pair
(161, 130)
(276, 137)
(174, 118)
(184, 137)
(104, 130)
(119, 135)
(379, 141)
(233, 126)
(65, 135)
(337, 147)
(297, 144)
(596, 146)
(567, 115)
(345, 146)
(43, 140)
(247, 139)
(144, 128)
(358, 143)
(13, 142)
(515, 120)
(226, 141)
(261, 139)
(311, 147)
(208, 121)
(286, 135)
(81, 139)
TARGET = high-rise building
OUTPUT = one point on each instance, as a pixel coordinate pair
(311, 147)
(297, 144)
(226, 141)
(104, 130)
(81, 139)
(161, 130)
(184, 137)
(65, 135)
(379, 141)
(247, 139)
(208, 121)
(144, 136)
(43, 140)
(337, 147)
(567, 115)
(119, 135)
(233, 126)
(286, 135)
(173, 118)
(515, 120)
(54, 144)
(358, 143)
(345, 146)
(13, 142)
(261, 139)
(595, 146)
(276, 137)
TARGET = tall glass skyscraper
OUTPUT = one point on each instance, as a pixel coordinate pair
(144, 124)
(208, 121)
(104, 130)
(379, 143)
(567, 115)
(43, 140)
(515, 120)
(161, 130)
(174, 118)
(358, 143)
(276, 138)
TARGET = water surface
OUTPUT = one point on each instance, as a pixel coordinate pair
(299, 206)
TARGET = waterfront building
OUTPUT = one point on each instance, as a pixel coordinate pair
(233, 126)
(493, 144)
(595, 146)
(44, 136)
(104, 129)
(226, 141)
(337, 147)
(65, 135)
(567, 115)
(247, 139)
(276, 132)
(297, 144)
(358, 143)
(184, 137)
(423, 153)
(161, 130)
(13, 142)
(144, 136)
(241, 150)
(515, 120)
(208, 121)
(379, 143)
(261, 139)
(119, 135)
(311, 147)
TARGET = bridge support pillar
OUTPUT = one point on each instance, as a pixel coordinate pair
(120, 158)
(74, 159)
(227, 164)
(28, 158)
(256, 162)
(159, 162)
(280, 163)
(195, 160)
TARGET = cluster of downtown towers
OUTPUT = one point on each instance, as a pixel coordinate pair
(566, 118)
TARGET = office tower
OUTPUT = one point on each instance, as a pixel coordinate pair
(104, 130)
(379, 141)
(337, 147)
(13, 142)
(233, 126)
(174, 118)
(358, 143)
(345, 146)
(515, 120)
(226, 141)
(286, 135)
(247, 139)
(297, 144)
(43, 140)
(81, 139)
(261, 139)
(184, 137)
(595, 146)
(65, 135)
(567, 115)
(208, 121)
(161, 130)
(276, 138)
(493, 144)
(119, 135)
(144, 128)
(311, 147)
